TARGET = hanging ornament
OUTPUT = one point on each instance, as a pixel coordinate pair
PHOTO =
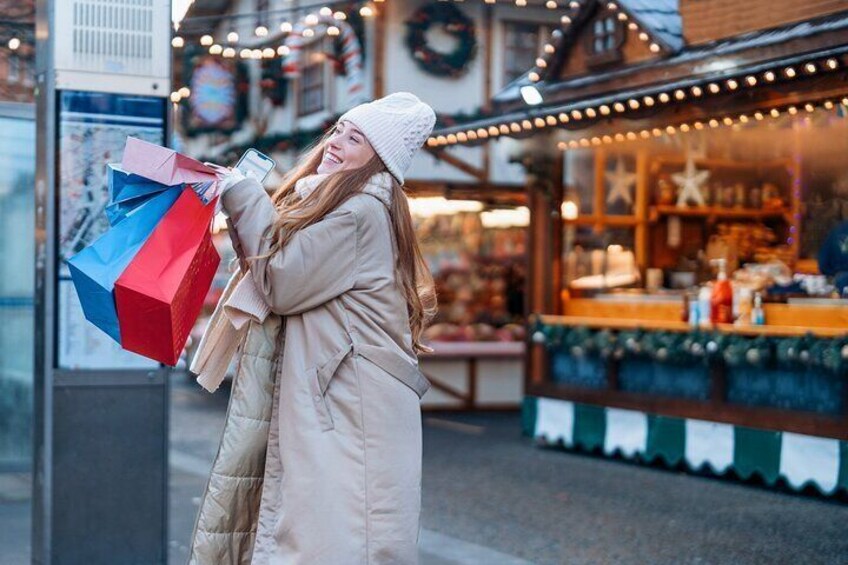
(691, 183)
(621, 181)
(454, 23)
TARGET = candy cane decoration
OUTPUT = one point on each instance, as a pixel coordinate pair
(351, 50)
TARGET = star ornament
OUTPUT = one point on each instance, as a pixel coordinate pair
(620, 182)
(690, 181)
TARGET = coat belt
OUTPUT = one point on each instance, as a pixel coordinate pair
(396, 365)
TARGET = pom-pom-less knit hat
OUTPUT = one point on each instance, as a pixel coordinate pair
(396, 125)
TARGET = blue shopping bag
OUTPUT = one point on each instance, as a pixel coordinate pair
(128, 191)
(95, 269)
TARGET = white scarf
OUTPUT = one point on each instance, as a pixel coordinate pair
(379, 186)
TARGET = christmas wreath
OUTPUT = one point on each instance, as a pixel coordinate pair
(454, 22)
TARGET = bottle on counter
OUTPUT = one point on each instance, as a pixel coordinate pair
(744, 306)
(691, 303)
(721, 300)
(758, 315)
(704, 306)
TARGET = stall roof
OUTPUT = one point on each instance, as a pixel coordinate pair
(718, 60)
(660, 17)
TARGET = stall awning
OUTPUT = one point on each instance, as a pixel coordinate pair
(793, 57)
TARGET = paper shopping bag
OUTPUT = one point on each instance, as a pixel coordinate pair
(161, 292)
(164, 165)
(95, 269)
(128, 191)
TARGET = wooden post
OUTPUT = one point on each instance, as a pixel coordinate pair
(641, 211)
(380, 50)
(487, 80)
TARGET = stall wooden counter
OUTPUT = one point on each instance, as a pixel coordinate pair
(471, 375)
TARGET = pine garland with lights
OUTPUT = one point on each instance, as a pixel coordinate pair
(699, 347)
(457, 24)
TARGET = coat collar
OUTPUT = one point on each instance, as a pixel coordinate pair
(378, 186)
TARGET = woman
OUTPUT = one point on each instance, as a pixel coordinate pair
(334, 256)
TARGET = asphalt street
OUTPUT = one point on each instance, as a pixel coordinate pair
(492, 497)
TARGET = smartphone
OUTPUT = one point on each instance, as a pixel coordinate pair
(255, 164)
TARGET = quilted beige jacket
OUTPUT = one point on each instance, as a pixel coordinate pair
(341, 472)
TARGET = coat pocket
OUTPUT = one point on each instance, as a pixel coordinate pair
(319, 401)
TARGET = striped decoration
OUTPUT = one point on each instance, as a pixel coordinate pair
(798, 459)
(351, 50)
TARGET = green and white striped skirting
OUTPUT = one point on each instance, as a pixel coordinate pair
(798, 459)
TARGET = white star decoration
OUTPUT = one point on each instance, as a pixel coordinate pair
(690, 182)
(620, 182)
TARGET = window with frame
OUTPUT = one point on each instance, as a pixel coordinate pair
(312, 80)
(522, 45)
(604, 43)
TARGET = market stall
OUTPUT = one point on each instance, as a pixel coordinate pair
(688, 293)
(477, 252)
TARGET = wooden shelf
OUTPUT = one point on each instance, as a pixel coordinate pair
(676, 326)
(724, 163)
(716, 212)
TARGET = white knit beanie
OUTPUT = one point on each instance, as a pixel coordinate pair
(396, 125)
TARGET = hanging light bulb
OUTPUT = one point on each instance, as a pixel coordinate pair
(206, 40)
(309, 32)
(790, 72)
(260, 31)
(311, 20)
(366, 11)
(229, 53)
(326, 12)
(286, 27)
(184, 92)
(176, 41)
(268, 53)
(175, 97)
(283, 50)
(341, 16)
(232, 37)
(333, 31)
(216, 49)
(256, 53)
(245, 53)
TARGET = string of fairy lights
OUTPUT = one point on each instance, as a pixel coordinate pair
(543, 62)
(583, 114)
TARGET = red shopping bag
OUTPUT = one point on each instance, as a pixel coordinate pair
(161, 292)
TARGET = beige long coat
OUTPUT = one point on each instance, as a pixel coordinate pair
(342, 476)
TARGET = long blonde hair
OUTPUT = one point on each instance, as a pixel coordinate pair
(295, 214)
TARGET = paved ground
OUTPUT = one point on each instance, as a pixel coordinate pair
(490, 497)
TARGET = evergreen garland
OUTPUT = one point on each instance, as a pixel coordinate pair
(698, 347)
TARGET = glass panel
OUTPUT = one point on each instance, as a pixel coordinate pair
(17, 277)
(620, 185)
(599, 259)
(580, 179)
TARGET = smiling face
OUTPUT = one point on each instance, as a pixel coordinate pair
(347, 148)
